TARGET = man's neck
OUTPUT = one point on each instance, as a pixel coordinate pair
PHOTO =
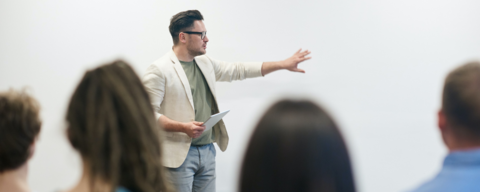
(463, 148)
(15, 180)
(462, 144)
(182, 54)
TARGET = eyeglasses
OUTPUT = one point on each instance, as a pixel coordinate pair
(202, 34)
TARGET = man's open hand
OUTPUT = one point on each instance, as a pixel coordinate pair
(291, 63)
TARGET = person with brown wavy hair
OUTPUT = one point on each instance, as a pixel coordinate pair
(112, 125)
(296, 146)
(19, 127)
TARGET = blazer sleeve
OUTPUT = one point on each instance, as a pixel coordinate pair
(232, 71)
(154, 82)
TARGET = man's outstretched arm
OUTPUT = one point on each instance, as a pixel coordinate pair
(290, 64)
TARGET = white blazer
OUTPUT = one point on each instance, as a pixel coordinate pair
(170, 95)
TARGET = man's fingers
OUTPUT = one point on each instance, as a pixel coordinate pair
(305, 53)
(200, 128)
(197, 129)
(298, 70)
(196, 134)
(197, 123)
(298, 51)
(306, 58)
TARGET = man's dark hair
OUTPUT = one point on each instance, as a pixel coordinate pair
(461, 100)
(296, 146)
(19, 126)
(182, 21)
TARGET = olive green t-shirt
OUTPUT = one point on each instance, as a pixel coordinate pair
(202, 99)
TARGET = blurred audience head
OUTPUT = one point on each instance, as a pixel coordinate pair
(459, 117)
(296, 146)
(112, 126)
(19, 127)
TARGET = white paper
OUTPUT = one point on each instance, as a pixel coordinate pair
(214, 119)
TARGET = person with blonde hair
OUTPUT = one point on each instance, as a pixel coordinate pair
(19, 127)
(112, 125)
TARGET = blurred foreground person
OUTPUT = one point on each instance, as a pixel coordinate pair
(19, 128)
(113, 127)
(459, 123)
(296, 147)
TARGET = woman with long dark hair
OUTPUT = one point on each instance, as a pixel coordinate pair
(112, 125)
(296, 147)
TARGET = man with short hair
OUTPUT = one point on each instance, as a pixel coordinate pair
(459, 123)
(19, 127)
(181, 86)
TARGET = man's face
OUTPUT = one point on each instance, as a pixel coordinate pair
(195, 44)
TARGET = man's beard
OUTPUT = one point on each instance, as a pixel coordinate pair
(195, 52)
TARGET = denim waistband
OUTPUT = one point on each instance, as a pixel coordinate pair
(200, 145)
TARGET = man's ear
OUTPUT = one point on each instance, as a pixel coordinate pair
(442, 121)
(182, 37)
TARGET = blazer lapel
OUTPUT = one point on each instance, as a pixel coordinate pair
(183, 77)
(206, 71)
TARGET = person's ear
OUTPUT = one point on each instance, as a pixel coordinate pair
(442, 121)
(182, 37)
(33, 147)
(445, 131)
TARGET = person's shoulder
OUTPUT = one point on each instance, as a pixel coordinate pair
(122, 189)
(203, 59)
(160, 65)
(163, 61)
(445, 183)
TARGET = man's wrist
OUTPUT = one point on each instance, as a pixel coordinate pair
(282, 64)
(183, 127)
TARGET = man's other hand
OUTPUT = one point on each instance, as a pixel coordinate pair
(194, 129)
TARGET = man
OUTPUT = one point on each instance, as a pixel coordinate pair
(181, 85)
(459, 123)
(19, 127)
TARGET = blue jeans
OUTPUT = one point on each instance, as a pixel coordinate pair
(197, 173)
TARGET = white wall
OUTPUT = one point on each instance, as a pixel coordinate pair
(377, 66)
